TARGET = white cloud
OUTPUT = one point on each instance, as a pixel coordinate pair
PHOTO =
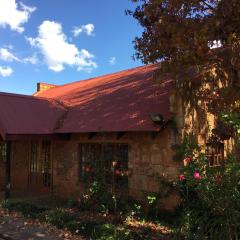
(7, 56)
(88, 29)
(112, 61)
(5, 71)
(57, 51)
(32, 60)
(14, 14)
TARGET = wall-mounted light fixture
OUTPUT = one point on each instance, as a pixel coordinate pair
(157, 118)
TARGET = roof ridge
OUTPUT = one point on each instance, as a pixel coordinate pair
(26, 96)
(104, 75)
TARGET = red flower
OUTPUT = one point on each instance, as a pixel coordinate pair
(197, 175)
(182, 177)
(118, 172)
(87, 169)
(186, 161)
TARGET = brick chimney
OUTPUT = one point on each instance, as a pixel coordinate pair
(41, 87)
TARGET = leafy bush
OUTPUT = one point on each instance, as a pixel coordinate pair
(98, 198)
(113, 232)
(27, 209)
(58, 217)
(211, 199)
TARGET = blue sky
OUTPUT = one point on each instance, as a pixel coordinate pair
(61, 41)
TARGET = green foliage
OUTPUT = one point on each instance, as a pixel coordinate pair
(90, 229)
(183, 36)
(113, 232)
(27, 209)
(58, 217)
(97, 198)
(210, 200)
(188, 148)
(232, 119)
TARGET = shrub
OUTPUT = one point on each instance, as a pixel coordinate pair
(58, 217)
(27, 209)
(97, 198)
(211, 199)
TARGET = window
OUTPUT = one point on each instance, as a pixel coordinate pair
(33, 167)
(3, 151)
(215, 153)
(46, 164)
(40, 166)
(110, 161)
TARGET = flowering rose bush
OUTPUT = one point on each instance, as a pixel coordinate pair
(210, 199)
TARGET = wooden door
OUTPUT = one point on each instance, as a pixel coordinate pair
(40, 167)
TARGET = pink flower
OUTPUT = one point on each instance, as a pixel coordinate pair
(186, 161)
(182, 177)
(197, 175)
(118, 172)
(88, 169)
(114, 163)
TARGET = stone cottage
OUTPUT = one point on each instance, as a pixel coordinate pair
(118, 125)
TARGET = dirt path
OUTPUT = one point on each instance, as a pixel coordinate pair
(15, 227)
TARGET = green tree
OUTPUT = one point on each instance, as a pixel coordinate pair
(191, 38)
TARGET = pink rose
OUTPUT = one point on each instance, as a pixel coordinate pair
(197, 175)
(118, 172)
(182, 177)
(186, 161)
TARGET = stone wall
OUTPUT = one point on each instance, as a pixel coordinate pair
(197, 121)
(148, 159)
(2, 174)
(19, 167)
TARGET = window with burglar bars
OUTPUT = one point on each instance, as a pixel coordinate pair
(108, 161)
(3, 151)
(40, 166)
(215, 153)
(33, 166)
(46, 164)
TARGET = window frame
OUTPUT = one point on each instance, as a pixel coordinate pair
(115, 167)
(33, 163)
(215, 154)
(46, 162)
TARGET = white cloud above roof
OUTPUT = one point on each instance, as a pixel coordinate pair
(88, 29)
(6, 55)
(57, 51)
(14, 14)
(112, 61)
(5, 71)
(32, 60)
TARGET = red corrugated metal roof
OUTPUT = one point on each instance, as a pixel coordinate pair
(20, 114)
(116, 102)
(121, 101)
